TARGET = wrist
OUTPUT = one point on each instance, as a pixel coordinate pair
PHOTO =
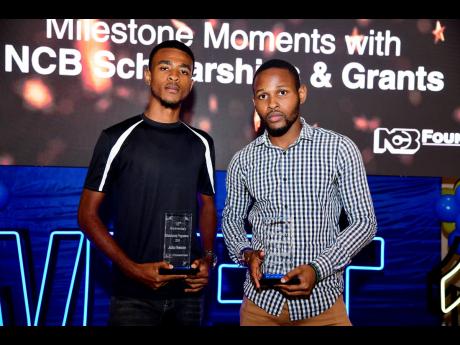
(210, 257)
(316, 270)
(245, 255)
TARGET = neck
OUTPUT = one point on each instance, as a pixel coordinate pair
(157, 112)
(289, 137)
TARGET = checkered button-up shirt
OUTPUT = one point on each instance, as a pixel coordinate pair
(300, 191)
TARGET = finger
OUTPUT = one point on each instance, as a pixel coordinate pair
(160, 284)
(288, 290)
(157, 285)
(298, 293)
(255, 279)
(196, 281)
(201, 274)
(168, 277)
(193, 290)
(288, 276)
(164, 264)
(195, 285)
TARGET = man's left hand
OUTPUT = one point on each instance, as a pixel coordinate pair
(199, 280)
(307, 276)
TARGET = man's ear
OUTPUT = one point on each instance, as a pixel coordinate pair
(191, 85)
(303, 91)
(147, 76)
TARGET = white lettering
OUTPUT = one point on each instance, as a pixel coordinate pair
(356, 76)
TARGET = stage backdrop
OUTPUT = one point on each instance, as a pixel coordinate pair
(57, 278)
(391, 85)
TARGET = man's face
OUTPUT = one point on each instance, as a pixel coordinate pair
(170, 78)
(277, 99)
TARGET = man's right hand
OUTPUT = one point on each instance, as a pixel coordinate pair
(149, 274)
(254, 259)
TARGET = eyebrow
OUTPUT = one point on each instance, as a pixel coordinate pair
(164, 62)
(277, 87)
(167, 62)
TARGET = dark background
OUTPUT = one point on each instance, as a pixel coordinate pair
(64, 131)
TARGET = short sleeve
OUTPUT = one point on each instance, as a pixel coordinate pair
(97, 178)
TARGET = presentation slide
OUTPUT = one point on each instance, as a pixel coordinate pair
(392, 86)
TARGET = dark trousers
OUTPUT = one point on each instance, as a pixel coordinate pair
(128, 311)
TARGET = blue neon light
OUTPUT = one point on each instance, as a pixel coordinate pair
(363, 268)
(85, 298)
(72, 281)
(23, 276)
(347, 276)
(219, 284)
(87, 273)
(45, 273)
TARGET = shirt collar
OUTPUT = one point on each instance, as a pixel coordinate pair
(306, 133)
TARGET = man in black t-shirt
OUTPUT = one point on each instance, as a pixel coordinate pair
(150, 165)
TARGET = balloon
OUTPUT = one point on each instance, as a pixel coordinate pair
(447, 209)
(4, 196)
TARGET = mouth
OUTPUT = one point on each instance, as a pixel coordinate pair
(172, 88)
(275, 116)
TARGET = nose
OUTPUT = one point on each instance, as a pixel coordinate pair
(173, 76)
(272, 104)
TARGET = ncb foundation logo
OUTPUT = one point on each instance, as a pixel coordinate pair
(407, 141)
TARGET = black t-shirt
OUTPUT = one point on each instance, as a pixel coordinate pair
(150, 168)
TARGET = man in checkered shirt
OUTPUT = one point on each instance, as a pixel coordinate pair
(294, 180)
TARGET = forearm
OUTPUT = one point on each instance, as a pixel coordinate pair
(99, 235)
(235, 211)
(349, 243)
(235, 237)
(208, 223)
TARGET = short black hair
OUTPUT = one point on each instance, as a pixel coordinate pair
(277, 63)
(171, 44)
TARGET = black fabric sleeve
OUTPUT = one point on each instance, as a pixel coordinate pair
(98, 165)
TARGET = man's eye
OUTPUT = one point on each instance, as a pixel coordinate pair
(185, 72)
(163, 68)
(261, 96)
(283, 92)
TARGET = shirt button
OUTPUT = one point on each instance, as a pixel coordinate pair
(284, 179)
(285, 153)
(285, 206)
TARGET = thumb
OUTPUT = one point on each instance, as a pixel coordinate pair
(164, 264)
(195, 263)
(288, 276)
(261, 255)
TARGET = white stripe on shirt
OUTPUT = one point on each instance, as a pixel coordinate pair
(114, 151)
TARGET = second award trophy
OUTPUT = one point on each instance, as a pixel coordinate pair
(177, 243)
(278, 246)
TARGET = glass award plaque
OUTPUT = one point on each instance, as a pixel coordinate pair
(278, 246)
(177, 243)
